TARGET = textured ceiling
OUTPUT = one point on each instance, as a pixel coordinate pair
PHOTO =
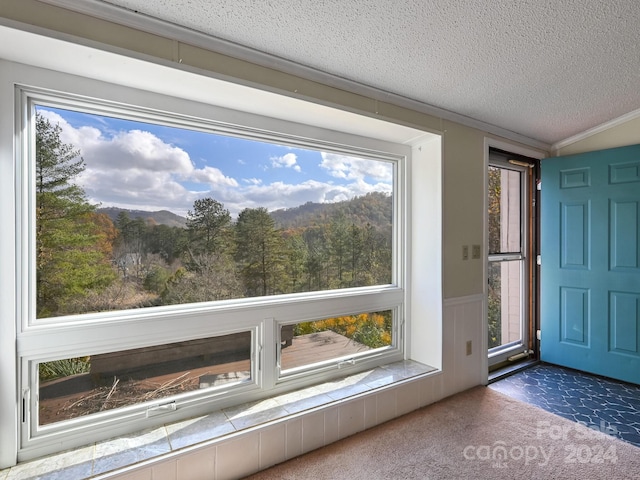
(546, 69)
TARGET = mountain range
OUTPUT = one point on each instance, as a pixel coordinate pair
(373, 208)
(161, 217)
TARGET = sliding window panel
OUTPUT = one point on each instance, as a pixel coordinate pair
(75, 387)
(336, 342)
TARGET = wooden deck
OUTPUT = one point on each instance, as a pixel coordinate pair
(64, 398)
(318, 347)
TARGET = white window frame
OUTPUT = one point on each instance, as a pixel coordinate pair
(27, 55)
(54, 338)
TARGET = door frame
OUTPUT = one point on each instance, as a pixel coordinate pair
(533, 228)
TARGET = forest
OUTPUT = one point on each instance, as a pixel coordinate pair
(92, 258)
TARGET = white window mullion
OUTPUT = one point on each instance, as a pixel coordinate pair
(269, 353)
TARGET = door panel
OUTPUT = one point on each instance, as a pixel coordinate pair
(590, 284)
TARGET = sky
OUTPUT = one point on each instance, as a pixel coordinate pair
(142, 166)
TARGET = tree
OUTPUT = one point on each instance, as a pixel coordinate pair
(355, 250)
(208, 224)
(166, 241)
(72, 241)
(297, 255)
(210, 273)
(338, 246)
(317, 259)
(260, 253)
(57, 164)
(131, 249)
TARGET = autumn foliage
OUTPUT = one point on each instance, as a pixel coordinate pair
(370, 329)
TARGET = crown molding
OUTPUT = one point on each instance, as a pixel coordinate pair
(595, 130)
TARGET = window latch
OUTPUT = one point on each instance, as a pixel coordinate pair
(25, 404)
(351, 361)
(160, 409)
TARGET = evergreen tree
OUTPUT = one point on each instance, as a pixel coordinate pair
(166, 241)
(317, 259)
(72, 241)
(208, 224)
(355, 253)
(338, 246)
(210, 272)
(260, 253)
(297, 255)
(209, 231)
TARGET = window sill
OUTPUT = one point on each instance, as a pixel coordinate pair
(103, 457)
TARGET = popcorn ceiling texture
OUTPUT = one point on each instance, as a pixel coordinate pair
(547, 69)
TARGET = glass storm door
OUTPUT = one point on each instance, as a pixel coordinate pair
(507, 262)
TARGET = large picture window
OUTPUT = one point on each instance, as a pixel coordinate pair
(174, 262)
(356, 205)
(132, 215)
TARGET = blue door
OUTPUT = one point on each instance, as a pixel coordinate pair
(590, 262)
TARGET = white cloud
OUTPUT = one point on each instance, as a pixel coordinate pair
(252, 181)
(288, 160)
(212, 176)
(352, 168)
(135, 151)
(278, 195)
(138, 170)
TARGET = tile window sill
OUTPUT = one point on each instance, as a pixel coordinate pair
(103, 457)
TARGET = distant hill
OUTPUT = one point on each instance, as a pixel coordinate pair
(161, 217)
(373, 208)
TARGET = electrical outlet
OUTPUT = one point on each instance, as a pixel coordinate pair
(475, 251)
(465, 252)
(469, 349)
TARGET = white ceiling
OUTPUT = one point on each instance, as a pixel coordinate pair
(545, 69)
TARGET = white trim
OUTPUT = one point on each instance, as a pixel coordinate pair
(9, 397)
(136, 20)
(627, 117)
(424, 273)
(511, 148)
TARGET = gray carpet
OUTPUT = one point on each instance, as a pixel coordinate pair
(477, 434)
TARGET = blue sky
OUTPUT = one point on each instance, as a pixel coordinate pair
(151, 167)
